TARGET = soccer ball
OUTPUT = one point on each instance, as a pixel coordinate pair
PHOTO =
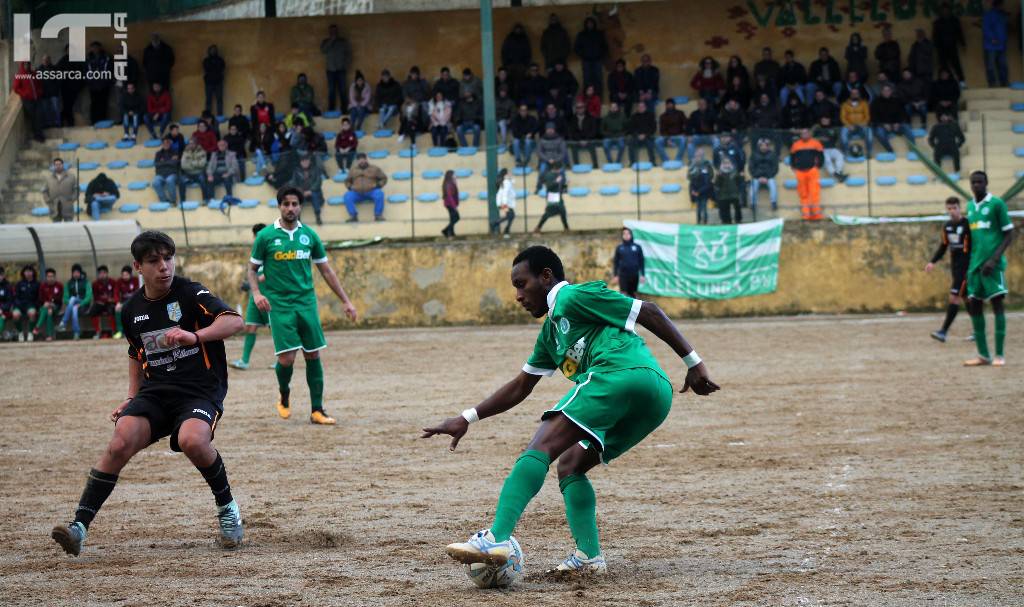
(489, 576)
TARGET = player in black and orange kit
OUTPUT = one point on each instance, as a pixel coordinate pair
(956, 236)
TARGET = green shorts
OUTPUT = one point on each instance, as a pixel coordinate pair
(255, 316)
(984, 287)
(618, 409)
(294, 327)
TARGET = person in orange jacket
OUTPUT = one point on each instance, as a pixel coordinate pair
(805, 156)
(30, 90)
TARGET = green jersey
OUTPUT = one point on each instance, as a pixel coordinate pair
(589, 328)
(990, 221)
(285, 256)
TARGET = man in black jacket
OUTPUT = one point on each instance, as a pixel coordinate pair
(592, 47)
(946, 139)
(888, 55)
(524, 129)
(825, 74)
(582, 134)
(533, 90)
(133, 107)
(166, 165)
(794, 79)
(157, 61)
(640, 131)
(554, 43)
(823, 106)
(516, 51)
(447, 86)
(213, 79)
(948, 36)
(889, 118)
(628, 265)
(702, 127)
(764, 166)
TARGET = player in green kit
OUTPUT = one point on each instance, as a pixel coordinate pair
(991, 234)
(620, 396)
(285, 250)
(254, 317)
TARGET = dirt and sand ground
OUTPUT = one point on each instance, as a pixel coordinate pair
(846, 461)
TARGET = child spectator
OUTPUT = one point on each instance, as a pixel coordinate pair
(104, 302)
(450, 191)
(127, 284)
(701, 176)
(50, 296)
(77, 296)
(345, 145)
(728, 192)
(440, 110)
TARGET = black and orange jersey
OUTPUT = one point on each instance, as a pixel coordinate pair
(198, 370)
(956, 236)
(806, 155)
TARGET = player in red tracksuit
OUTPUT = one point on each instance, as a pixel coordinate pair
(127, 284)
(104, 301)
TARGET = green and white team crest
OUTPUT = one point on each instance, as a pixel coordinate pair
(709, 262)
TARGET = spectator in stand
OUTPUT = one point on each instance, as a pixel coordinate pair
(409, 121)
(304, 96)
(769, 68)
(468, 117)
(262, 112)
(211, 123)
(948, 35)
(888, 55)
(157, 61)
(24, 307)
(104, 301)
(77, 298)
(563, 105)
(207, 139)
(70, 88)
(440, 119)
(127, 284)
(101, 194)
(562, 80)
(240, 122)
(945, 95)
(794, 118)
(551, 151)
(856, 56)
(315, 144)
(708, 82)
(222, 169)
(822, 106)
(471, 84)
(672, 128)
(533, 89)
(765, 119)
(794, 80)
(345, 145)
(733, 120)
(764, 166)
(524, 135)
(913, 92)
(389, 98)
(447, 86)
(504, 110)
(647, 82)
(828, 136)
(591, 47)
(98, 62)
(736, 69)
(365, 182)
(762, 86)
(213, 79)
(308, 178)
(994, 38)
(337, 55)
(591, 100)
(415, 88)
(613, 133)
(702, 127)
(502, 79)
(236, 143)
(284, 164)
(296, 117)
(825, 74)
(582, 134)
(729, 193)
(552, 114)
(805, 156)
(853, 83)
(516, 51)
(158, 110)
(193, 167)
(6, 304)
(736, 91)
(360, 101)
(701, 176)
(260, 145)
(628, 265)
(946, 139)
(855, 116)
(890, 118)
(61, 192)
(555, 44)
(921, 61)
(450, 195)
(177, 140)
(641, 129)
(554, 183)
(49, 100)
(49, 297)
(730, 149)
(506, 201)
(132, 106)
(621, 88)
(166, 165)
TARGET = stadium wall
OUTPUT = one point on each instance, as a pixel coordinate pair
(824, 268)
(268, 53)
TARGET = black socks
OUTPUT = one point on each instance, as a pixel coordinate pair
(97, 489)
(217, 477)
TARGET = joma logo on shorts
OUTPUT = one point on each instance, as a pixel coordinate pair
(203, 413)
(290, 255)
(141, 318)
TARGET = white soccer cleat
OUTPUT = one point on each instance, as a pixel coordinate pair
(481, 548)
(578, 563)
(230, 520)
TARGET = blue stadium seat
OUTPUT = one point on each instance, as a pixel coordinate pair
(407, 152)
(82, 186)
(911, 156)
(582, 169)
(335, 201)
(885, 157)
(609, 190)
(96, 145)
(1017, 86)
(886, 180)
(125, 144)
(332, 114)
(1017, 107)
(919, 132)
(40, 211)
(428, 197)
(360, 135)
(88, 166)
(917, 179)
(641, 189)
(437, 152)
(104, 124)
(249, 203)
(466, 151)
(378, 154)
(159, 207)
(339, 177)
(785, 161)
(520, 171)
(433, 174)
(463, 196)
(1018, 128)
(401, 175)
(520, 194)
(114, 165)
(681, 100)
(136, 186)
(272, 203)
(329, 135)
(856, 159)
(145, 163)
(383, 133)
(672, 165)
(151, 143)
(1019, 174)
(215, 204)
(68, 146)
(612, 167)
(397, 198)
(641, 166)
(193, 120)
(953, 176)
(463, 173)
(789, 184)
(1018, 152)
(579, 191)
(481, 195)
(671, 188)
(826, 182)
(190, 205)
(254, 180)
(131, 207)
(856, 181)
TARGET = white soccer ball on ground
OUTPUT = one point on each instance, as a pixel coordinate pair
(489, 576)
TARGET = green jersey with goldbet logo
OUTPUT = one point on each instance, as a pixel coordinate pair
(286, 257)
(589, 329)
(990, 221)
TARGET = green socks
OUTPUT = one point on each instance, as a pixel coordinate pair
(525, 480)
(250, 343)
(978, 322)
(284, 379)
(1000, 332)
(315, 381)
(581, 512)
(117, 322)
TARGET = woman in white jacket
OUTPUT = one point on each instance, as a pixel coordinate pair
(506, 200)
(440, 119)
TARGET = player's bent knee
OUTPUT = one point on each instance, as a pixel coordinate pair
(311, 355)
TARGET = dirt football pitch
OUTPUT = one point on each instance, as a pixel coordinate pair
(846, 461)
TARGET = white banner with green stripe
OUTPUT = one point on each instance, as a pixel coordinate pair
(709, 262)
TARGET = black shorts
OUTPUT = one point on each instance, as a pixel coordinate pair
(628, 283)
(959, 285)
(167, 410)
(99, 309)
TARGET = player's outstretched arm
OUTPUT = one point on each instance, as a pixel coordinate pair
(503, 399)
(258, 298)
(653, 319)
(332, 281)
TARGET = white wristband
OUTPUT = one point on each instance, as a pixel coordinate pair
(691, 359)
(470, 415)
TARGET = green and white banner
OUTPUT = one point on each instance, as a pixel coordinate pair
(858, 220)
(709, 262)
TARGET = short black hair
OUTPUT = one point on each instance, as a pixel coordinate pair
(289, 190)
(28, 268)
(60, 160)
(126, 269)
(77, 267)
(48, 271)
(149, 242)
(257, 227)
(102, 269)
(540, 257)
